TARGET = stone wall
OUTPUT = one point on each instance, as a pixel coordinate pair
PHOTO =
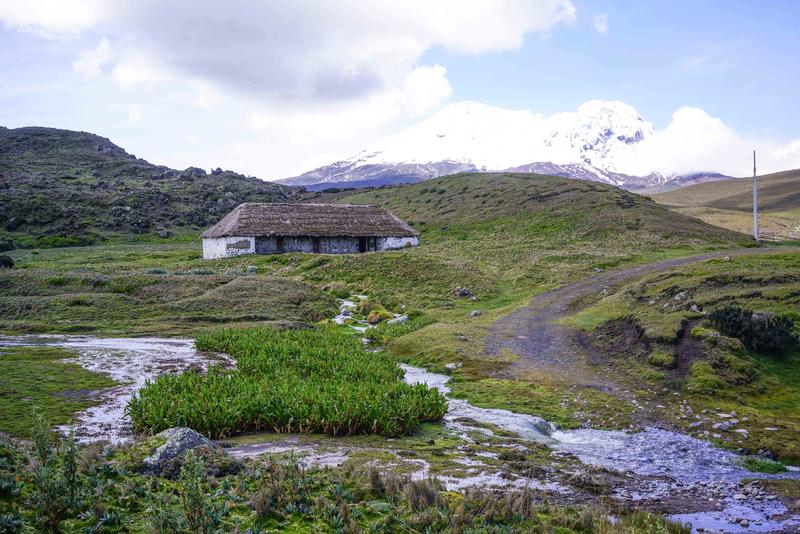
(223, 247)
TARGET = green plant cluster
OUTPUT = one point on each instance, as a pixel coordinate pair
(319, 380)
(759, 331)
(73, 489)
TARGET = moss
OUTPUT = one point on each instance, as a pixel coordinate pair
(39, 377)
(762, 465)
(130, 456)
(703, 378)
(661, 358)
(376, 316)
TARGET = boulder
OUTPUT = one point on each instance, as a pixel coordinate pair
(474, 313)
(177, 442)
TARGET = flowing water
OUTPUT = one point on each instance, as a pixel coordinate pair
(667, 462)
(675, 463)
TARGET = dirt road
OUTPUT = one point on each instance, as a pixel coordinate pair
(533, 333)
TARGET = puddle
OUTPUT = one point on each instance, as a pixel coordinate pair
(129, 361)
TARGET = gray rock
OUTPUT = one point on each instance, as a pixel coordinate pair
(462, 292)
(252, 269)
(724, 426)
(474, 313)
(178, 441)
(742, 431)
(398, 320)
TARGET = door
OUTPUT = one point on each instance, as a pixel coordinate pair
(362, 244)
(315, 245)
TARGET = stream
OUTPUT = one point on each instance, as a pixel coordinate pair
(664, 463)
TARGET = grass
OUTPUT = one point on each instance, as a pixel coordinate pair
(719, 373)
(116, 302)
(269, 494)
(320, 380)
(37, 377)
(729, 203)
(505, 237)
(762, 465)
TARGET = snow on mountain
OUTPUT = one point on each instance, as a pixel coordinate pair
(593, 143)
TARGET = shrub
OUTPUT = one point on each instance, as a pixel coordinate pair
(78, 300)
(155, 270)
(758, 331)
(6, 262)
(319, 380)
(198, 272)
(200, 513)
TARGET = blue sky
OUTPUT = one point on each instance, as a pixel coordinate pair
(275, 88)
(738, 60)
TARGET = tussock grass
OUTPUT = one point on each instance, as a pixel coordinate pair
(320, 380)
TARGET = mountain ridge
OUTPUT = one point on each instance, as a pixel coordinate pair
(596, 142)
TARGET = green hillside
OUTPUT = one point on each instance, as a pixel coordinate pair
(62, 187)
(729, 203)
(503, 236)
(776, 192)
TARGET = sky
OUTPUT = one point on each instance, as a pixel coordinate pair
(275, 88)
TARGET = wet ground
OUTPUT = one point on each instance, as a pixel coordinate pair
(654, 469)
(130, 362)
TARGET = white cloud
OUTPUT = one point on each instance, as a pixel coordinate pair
(53, 17)
(91, 62)
(134, 113)
(137, 69)
(695, 141)
(601, 23)
(293, 50)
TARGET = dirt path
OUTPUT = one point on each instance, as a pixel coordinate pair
(543, 345)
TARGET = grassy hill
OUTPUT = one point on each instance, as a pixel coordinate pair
(61, 187)
(729, 203)
(503, 236)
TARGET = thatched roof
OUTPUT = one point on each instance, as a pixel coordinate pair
(262, 220)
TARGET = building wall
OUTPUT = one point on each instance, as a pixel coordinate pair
(391, 243)
(223, 247)
(338, 245)
(266, 245)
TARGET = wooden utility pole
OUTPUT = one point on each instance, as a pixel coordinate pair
(755, 201)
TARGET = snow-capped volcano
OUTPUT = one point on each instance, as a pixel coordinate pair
(594, 142)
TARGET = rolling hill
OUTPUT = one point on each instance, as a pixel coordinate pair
(62, 187)
(729, 203)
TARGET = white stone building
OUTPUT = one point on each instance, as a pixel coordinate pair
(316, 228)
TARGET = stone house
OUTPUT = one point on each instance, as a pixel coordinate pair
(254, 228)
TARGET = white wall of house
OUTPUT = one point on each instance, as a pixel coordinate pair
(391, 243)
(223, 247)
